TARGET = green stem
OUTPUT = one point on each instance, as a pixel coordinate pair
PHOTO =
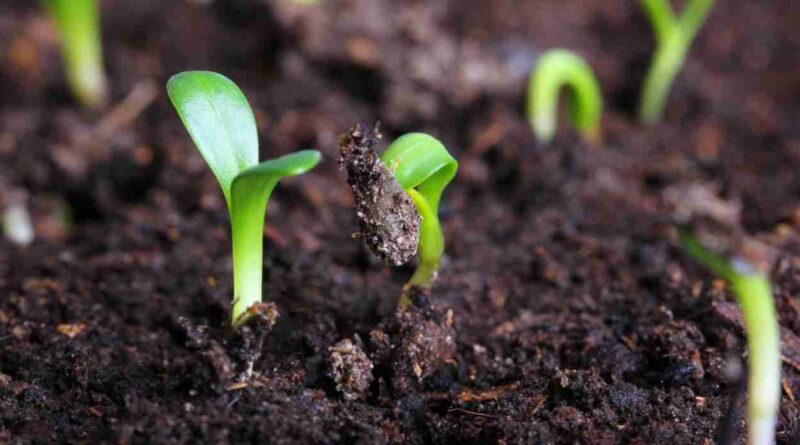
(673, 39)
(247, 232)
(556, 69)
(431, 242)
(79, 29)
(763, 344)
(667, 62)
(754, 294)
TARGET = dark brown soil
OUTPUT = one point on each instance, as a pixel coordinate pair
(575, 315)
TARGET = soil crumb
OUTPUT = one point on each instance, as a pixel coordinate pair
(388, 219)
(416, 343)
(351, 369)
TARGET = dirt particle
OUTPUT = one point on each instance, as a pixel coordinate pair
(351, 369)
(388, 220)
(71, 330)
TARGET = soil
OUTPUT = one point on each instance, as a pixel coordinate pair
(574, 315)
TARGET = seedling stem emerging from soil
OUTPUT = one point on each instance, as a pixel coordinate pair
(754, 295)
(221, 124)
(674, 36)
(79, 29)
(555, 69)
(423, 167)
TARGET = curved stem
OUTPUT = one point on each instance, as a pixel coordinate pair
(556, 69)
(431, 242)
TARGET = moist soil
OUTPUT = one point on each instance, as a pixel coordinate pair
(571, 313)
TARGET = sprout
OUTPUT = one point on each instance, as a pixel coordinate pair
(556, 68)
(397, 198)
(673, 38)
(78, 26)
(423, 168)
(221, 124)
(754, 294)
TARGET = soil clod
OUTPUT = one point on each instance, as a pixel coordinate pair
(416, 343)
(388, 220)
(351, 369)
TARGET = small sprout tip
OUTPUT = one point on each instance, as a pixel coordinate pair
(557, 68)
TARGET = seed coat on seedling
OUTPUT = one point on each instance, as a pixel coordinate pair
(397, 197)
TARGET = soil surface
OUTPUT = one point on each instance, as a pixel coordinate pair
(573, 315)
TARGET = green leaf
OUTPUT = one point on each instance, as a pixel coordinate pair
(420, 161)
(220, 122)
(251, 191)
(423, 167)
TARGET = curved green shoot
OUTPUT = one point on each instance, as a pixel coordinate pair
(221, 124)
(674, 36)
(555, 69)
(423, 167)
(754, 295)
(79, 28)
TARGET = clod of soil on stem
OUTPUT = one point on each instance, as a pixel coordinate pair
(351, 369)
(417, 343)
(388, 220)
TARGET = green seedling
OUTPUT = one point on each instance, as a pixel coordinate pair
(754, 294)
(555, 69)
(79, 29)
(222, 126)
(674, 36)
(423, 167)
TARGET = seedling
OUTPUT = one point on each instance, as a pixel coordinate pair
(555, 69)
(754, 295)
(79, 28)
(221, 124)
(397, 198)
(674, 36)
(423, 167)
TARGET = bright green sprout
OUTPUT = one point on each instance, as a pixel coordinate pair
(674, 36)
(79, 28)
(754, 294)
(555, 69)
(223, 128)
(423, 167)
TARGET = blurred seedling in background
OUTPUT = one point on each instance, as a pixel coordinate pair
(397, 198)
(222, 126)
(754, 295)
(674, 36)
(81, 48)
(712, 234)
(555, 69)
